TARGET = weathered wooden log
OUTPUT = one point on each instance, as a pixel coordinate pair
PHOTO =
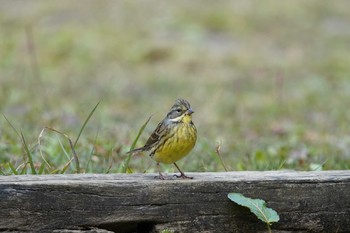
(305, 201)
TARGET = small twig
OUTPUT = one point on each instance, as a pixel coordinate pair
(32, 53)
(279, 83)
(217, 151)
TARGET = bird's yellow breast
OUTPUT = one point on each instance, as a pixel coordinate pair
(178, 145)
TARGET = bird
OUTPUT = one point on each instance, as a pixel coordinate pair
(173, 139)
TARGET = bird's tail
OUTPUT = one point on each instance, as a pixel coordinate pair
(136, 150)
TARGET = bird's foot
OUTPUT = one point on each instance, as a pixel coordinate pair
(160, 177)
(183, 176)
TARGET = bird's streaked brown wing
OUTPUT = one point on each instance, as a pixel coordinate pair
(152, 139)
(155, 135)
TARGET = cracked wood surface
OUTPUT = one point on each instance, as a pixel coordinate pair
(305, 201)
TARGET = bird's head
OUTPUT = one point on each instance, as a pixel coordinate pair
(180, 112)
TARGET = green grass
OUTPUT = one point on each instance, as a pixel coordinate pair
(269, 80)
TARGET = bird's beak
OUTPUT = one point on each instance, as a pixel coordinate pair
(189, 111)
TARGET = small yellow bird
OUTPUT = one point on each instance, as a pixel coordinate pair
(174, 137)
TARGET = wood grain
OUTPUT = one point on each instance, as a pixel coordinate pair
(305, 201)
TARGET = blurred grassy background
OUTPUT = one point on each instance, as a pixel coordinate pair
(268, 79)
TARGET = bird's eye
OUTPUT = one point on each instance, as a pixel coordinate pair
(178, 110)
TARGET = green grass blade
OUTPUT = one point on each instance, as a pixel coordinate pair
(13, 169)
(77, 165)
(110, 164)
(65, 152)
(55, 171)
(85, 122)
(139, 134)
(29, 155)
(282, 163)
(14, 129)
(125, 164)
(2, 172)
(41, 169)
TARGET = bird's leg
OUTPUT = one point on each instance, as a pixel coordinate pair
(161, 177)
(183, 176)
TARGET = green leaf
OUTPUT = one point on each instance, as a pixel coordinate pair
(316, 167)
(256, 206)
(167, 231)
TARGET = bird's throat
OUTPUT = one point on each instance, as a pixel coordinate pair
(185, 118)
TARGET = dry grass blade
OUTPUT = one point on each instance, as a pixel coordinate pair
(109, 166)
(110, 162)
(66, 166)
(39, 144)
(24, 168)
